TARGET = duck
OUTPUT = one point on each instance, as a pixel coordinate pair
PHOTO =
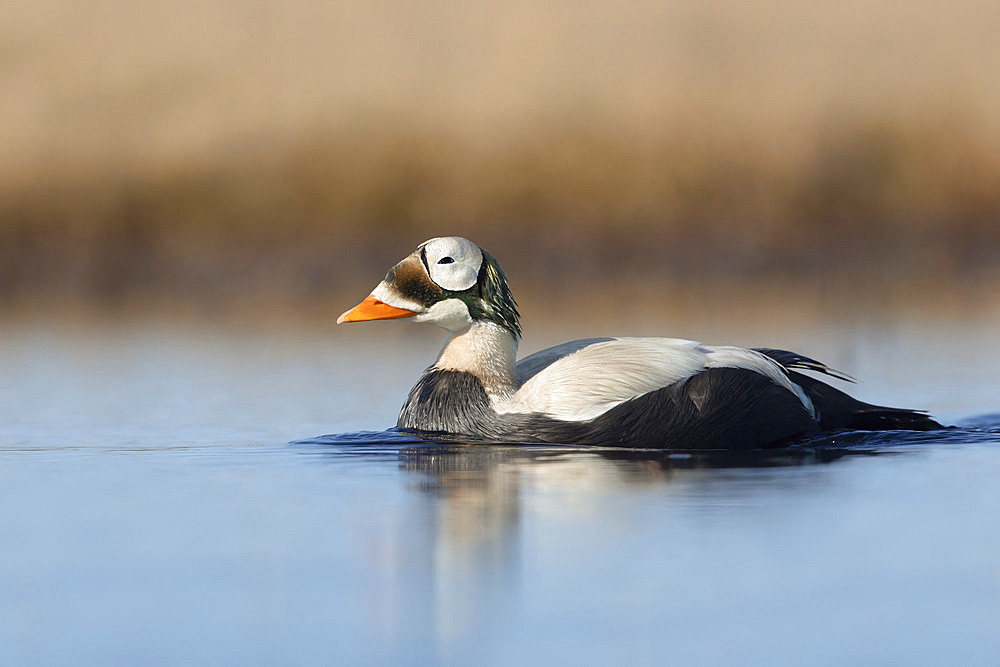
(638, 393)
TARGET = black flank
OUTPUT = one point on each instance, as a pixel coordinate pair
(719, 408)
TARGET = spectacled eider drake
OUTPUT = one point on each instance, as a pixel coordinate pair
(622, 392)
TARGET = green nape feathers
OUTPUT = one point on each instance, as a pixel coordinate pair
(495, 303)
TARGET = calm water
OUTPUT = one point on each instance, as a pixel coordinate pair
(153, 511)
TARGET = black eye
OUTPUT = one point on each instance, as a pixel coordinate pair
(446, 260)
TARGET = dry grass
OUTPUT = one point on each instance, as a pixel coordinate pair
(219, 152)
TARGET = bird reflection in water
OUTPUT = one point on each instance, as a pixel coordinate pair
(479, 496)
(480, 486)
(458, 559)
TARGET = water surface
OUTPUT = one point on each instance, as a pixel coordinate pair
(164, 499)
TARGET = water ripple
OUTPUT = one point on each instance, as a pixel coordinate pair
(824, 448)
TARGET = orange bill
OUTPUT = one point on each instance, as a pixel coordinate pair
(373, 309)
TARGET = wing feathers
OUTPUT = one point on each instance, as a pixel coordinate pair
(791, 360)
(580, 380)
(599, 376)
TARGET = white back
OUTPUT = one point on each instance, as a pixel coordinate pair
(595, 378)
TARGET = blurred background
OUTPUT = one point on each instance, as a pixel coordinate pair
(261, 160)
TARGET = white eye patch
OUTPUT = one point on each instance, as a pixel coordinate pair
(453, 262)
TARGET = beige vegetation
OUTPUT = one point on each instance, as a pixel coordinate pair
(247, 152)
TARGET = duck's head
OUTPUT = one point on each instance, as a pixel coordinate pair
(448, 281)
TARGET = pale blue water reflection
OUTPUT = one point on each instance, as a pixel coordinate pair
(152, 511)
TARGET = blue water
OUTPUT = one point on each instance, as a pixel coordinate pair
(164, 499)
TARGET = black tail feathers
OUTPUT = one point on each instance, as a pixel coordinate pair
(838, 410)
(876, 418)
